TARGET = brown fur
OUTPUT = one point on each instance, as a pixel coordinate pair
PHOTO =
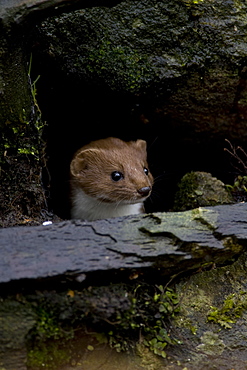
(93, 164)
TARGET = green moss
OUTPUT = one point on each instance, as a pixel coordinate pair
(232, 309)
(191, 3)
(48, 356)
(24, 136)
(185, 322)
(49, 343)
(200, 189)
(130, 68)
(22, 158)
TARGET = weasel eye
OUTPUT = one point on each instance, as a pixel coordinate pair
(116, 176)
(145, 171)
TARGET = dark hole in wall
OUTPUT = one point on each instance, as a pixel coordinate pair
(77, 112)
(76, 115)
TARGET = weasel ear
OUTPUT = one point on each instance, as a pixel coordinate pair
(82, 161)
(141, 145)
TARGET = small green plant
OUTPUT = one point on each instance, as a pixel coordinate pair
(239, 187)
(142, 321)
(39, 124)
(48, 326)
(232, 309)
(25, 137)
(239, 156)
(160, 341)
(147, 319)
(49, 341)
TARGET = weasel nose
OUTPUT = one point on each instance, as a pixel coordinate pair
(144, 191)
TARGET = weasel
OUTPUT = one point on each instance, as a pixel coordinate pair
(109, 178)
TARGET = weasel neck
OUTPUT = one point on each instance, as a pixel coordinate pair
(87, 208)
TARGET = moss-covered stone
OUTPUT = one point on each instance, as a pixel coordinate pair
(49, 356)
(213, 315)
(16, 319)
(16, 99)
(120, 311)
(211, 344)
(201, 316)
(22, 160)
(198, 189)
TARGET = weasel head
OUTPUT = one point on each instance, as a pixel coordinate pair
(112, 171)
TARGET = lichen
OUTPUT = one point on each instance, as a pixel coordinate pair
(211, 344)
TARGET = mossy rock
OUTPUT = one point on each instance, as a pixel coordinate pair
(198, 189)
(212, 319)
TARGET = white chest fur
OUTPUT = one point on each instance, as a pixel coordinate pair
(87, 208)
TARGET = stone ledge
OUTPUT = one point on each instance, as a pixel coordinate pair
(174, 242)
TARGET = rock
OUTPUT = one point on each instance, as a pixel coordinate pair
(174, 242)
(112, 275)
(182, 56)
(212, 318)
(17, 19)
(23, 157)
(199, 189)
(145, 66)
(16, 320)
(157, 71)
